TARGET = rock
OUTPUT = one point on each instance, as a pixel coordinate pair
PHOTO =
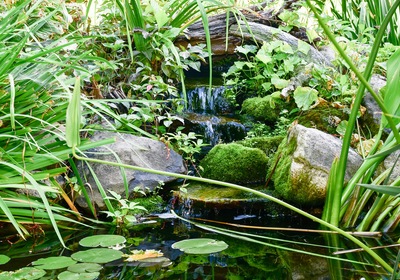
(235, 163)
(393, 161)
(373, 114)
(301, 166)
(131, 150)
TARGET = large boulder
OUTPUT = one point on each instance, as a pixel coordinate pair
(235, 163)
(301, 166)
(131, 150)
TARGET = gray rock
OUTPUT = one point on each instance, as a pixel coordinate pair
(131, 150)
(373, 113)
(305, 159)
(393, 161)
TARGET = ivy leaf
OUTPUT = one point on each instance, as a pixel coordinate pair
(303, 47)
(279, 83)
(305, 97)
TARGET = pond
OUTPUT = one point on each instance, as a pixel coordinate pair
(255, 250)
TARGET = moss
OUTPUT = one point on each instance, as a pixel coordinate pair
(152, 204)
(324, 118)
(268, 145)
(280, 172)
(235, 163)
(260, 108)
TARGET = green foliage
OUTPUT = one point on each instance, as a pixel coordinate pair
(123, 215)
(102, 240)
(187, 145)
(365, 18)
(265, 70)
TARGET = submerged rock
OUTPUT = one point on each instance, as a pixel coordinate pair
(301, 166)
(235, 163)
(131, 150)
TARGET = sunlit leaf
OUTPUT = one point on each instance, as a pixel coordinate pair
(305, 97)
(102, 240)
(200, 246)
(73, 117)
(303, 47)
(53, 262)
(84, 267)
(98, 255)
(4, 259)
(25, 273)
(68, 275)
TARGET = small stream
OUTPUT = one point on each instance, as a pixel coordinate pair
(211, 116)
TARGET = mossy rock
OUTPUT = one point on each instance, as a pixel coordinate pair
(235, 163)
(268, 145)
(323, 117)
(260, 108)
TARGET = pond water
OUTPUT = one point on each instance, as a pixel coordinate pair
(243, 259)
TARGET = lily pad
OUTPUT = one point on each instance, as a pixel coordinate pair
(200, 246)
(53, 262)
(84, 267)
(4, 259)
(98, 255)
(103, 240)
(26, 273)
(68, 275)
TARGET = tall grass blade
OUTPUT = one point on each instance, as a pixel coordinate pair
(73, 117)
(392, 94)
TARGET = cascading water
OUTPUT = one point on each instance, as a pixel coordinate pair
(212, 116)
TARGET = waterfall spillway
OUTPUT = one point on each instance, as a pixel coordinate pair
(212, 116)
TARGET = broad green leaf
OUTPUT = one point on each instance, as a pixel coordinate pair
(102, 240)
(68, 275)
(341, 128)
(4, 259)
(246, 49)
(305, 97)
(200, 246)
(98, 255)
(286, 48)
(263, 57)
(84, 267)
(73, 116)
(51, 263)
(303, 47)
(25, 273)
(279, 83)
(392, 95)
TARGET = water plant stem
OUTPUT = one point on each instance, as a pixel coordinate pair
(242, 188)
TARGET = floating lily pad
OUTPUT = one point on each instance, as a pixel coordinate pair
(68, 275)
(84, 267)
(139, 255)
(103, 240)
(53, 262)
(200, 246)
(98, 255)
(26, 273)
(4, 259)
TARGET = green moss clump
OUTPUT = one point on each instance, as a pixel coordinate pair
(279, 168)
(295, 189)
(235, 163)
(324, 117)
(268, 145)
(260, 108)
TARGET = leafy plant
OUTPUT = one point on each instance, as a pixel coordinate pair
(123, 215)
